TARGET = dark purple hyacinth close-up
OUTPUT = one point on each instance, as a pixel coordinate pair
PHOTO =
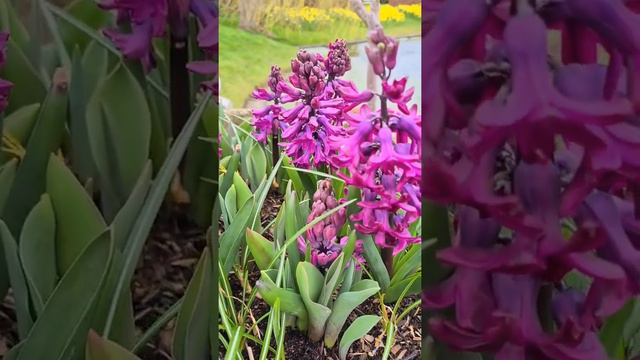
(531, 142)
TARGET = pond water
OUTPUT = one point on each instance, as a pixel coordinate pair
(408, 64)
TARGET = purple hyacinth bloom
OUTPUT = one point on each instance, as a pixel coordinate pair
(338, 61)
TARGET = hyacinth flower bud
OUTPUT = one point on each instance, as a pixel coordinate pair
(376, 59)
(338, 61)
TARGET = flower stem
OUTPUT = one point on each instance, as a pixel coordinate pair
(387, 257)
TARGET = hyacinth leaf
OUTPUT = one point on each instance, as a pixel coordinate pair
(18, 125)
(78, 221)
(256, 165)
(611, 334)
(37, 252)
(437, 226)
(395, 290)
(61, 331)
(344, 305)
(357, 330)
(10, 23)
(231, 169)
(96, 58)
(119, 128)
(310, 281)
(28, 87)
(233, 237)
(353, 193)
(17, 280)
(349, 277)
(309, 182)
(7, 174)
(332, 278)
(89, 14)
(293, 175)
(291, 224)
(262, 250)
(99, 348)
(191, 338)
(230, 203)
(46, 137)
(78, 98)
(290, 302)
(632, 326)
(407, 263)
(126, 217)
(13, 353)
(243, 193)
(374, 261)
(223, 212)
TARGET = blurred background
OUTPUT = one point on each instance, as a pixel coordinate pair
(255, 34)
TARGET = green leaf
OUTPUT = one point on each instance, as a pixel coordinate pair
(290, 302)
(374, 262)
(104, 349)
(233, 237)
(19, 125)
(78, 221)
(60, 332)
(126, 217)
(18, 282)
(89, 14)
(243, 193)
(38, 252)
(262, 250)
(256, 165)
(119, 128)
(7, 174)
(611, 334)
(291, 225)
(395, 290)
(358, 329)
(230, 203)
(344, 305)
(28, 88)
(142, 227)
(79, 95)
(30, 181)
(10, 23)
(191, 338)
(310, 281)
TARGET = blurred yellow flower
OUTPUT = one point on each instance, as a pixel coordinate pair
(389, 13)
(414, 10)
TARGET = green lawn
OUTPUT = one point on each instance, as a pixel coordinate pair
(246, 58)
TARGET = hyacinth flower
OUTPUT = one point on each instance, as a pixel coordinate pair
(321, 241)
(561, 136)
(5, 86)
(381, 153)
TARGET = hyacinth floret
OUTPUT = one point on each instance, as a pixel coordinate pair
(560, 135)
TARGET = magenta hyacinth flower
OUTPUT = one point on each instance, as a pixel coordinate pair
(533, 151)
(5, 86)
(322, 239)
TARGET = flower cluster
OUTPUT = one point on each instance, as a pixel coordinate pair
(381, 153)
(413, 9)
(322, 239)
(376, 151)
(5, 86)
(148, 19)
(519, 143)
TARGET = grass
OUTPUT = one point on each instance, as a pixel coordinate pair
(246, 58)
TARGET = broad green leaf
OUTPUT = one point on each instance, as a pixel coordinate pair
(28, 88)
(358, 329)
(611, 334)
(79, 95)
(126, 217)
(344, 305)
(99, 348)
(290, 302)
(374, 262)
(310, 281)
(349, 277)
(292, 174)
(78, 221)
(256, 165)
(19, 125)
(230, 203)
(243, 193)
(233, 237)
(190, 341)
(89, 14)
(119, 128)
(147, 215)
(61, 330)
(7, 174)
(227, 179)
(262, 250)
(291, 225)
(10, 23)
(18, 281)
(46, 137)
(395, 290)
(95, 58)
(38, 252)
